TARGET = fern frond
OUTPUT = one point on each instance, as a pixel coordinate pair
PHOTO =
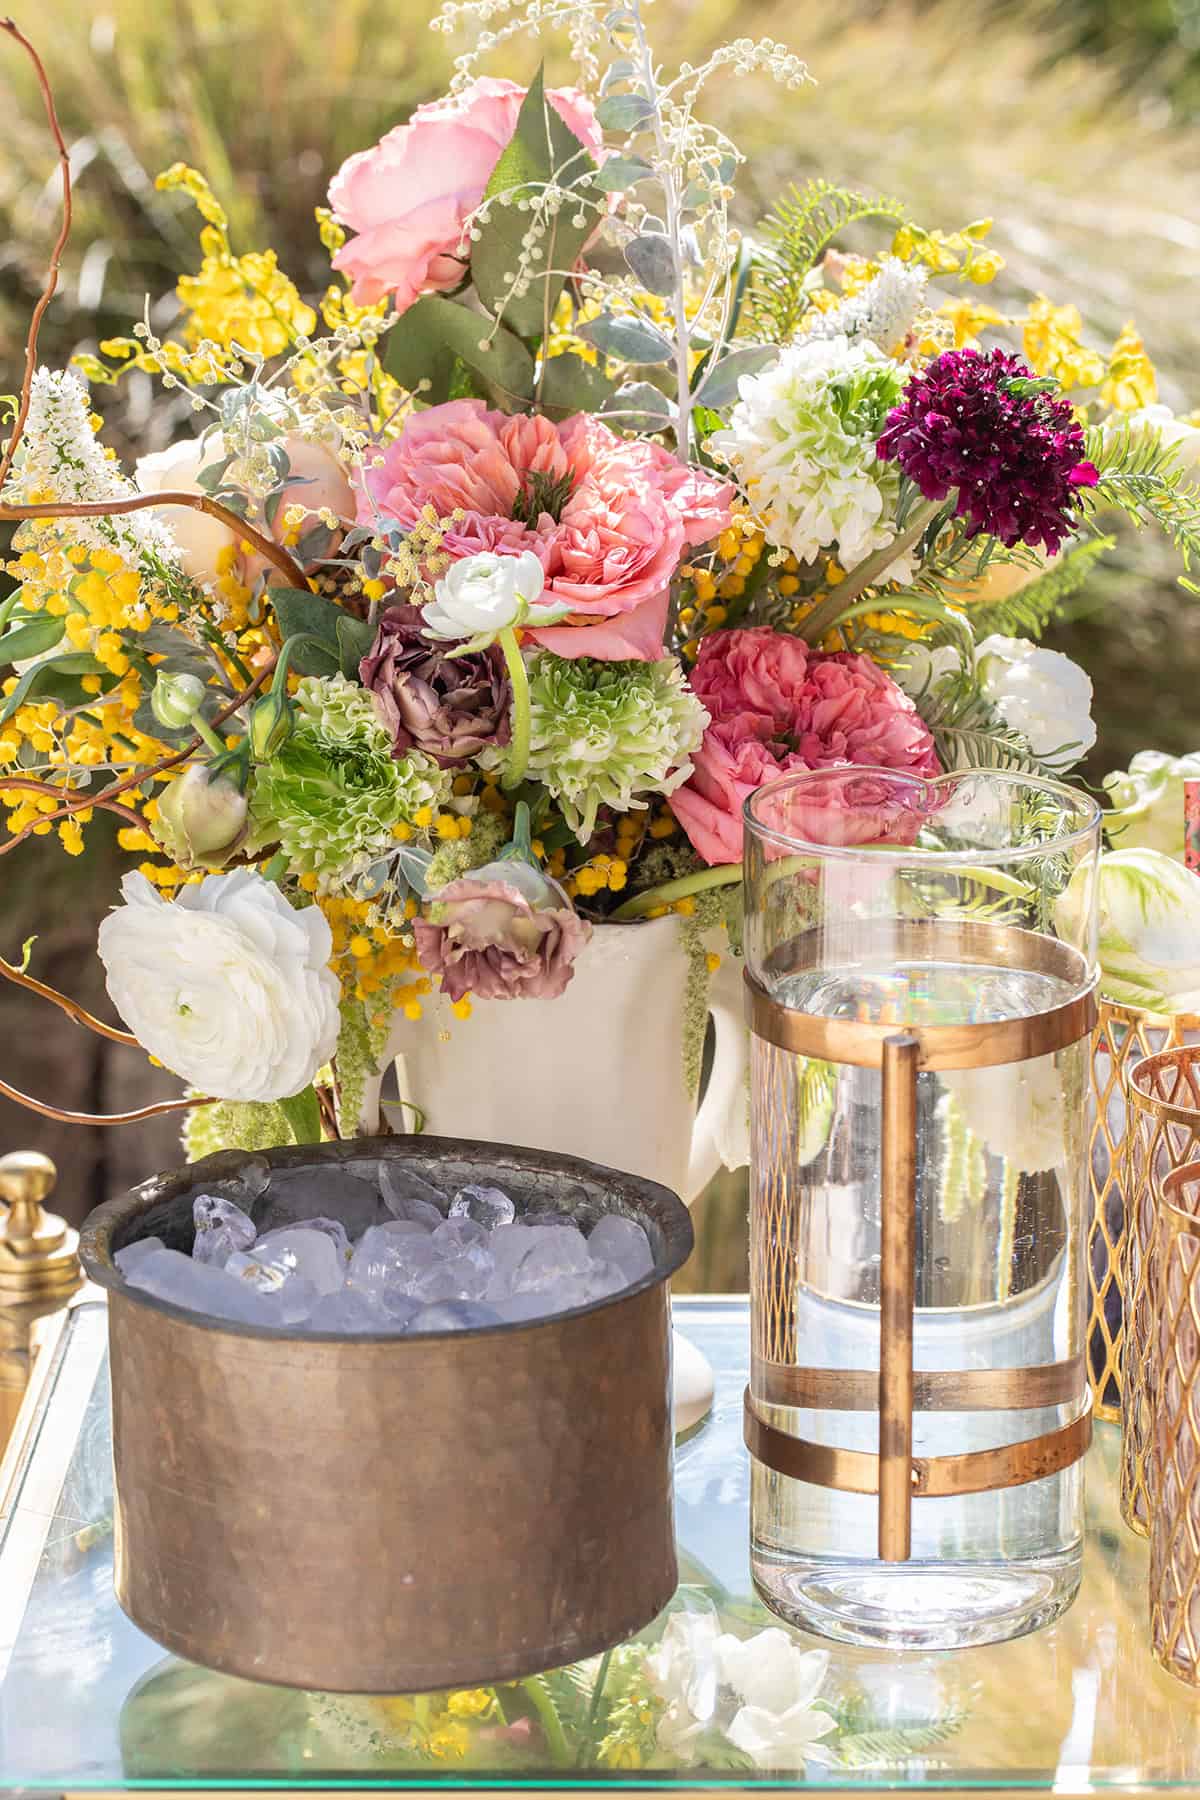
(970, 734)
(1142, 476)
(792, 240)
(1028, 612)
(894, 1744)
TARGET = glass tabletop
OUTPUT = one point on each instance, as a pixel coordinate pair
(88, 1702)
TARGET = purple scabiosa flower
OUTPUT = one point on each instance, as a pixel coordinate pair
(983, 425)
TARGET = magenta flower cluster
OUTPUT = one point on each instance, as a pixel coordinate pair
(980, 425)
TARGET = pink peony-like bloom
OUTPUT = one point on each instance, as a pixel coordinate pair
(504, 932)
(778, 707)
(409, 197)
(624, 510)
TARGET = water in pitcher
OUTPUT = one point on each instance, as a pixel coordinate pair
(999, 1283)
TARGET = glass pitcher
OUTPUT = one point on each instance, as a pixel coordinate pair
(920, 972)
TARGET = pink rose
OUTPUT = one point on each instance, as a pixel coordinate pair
(778, 707)
(626, 511)
(504, 932)
(409, 198)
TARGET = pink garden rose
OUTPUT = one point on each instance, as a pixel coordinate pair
(503, 932)
(778, 707)
(409, 197)
(611, 548)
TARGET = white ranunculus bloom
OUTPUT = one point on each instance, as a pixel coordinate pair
(227, 985)
(1147, 801)
(1040, 693)
(485, 594)
(1149, 940)
(776, 1726)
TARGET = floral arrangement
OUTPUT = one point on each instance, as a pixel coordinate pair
(493, 581)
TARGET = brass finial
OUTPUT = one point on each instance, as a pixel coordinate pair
(38, 1251)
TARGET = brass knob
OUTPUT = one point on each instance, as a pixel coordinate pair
(38, 1251)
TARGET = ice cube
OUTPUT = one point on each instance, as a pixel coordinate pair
(399, 1309)
(333, 1229)
(446, 1280)
(622, 1241)
(558, 1252)
(221, 1228)
(321, 1191)
(294, 1302)
(170, 1275)
(606, 1278)
(347, 1313)
(391, 1255)
(487, 1206)
(407, 1195)
(237, 1177)
(128, 1259)
(452, 1236)
(301, 1251)
(519, 1309)
(260, 1277)
(454, 1315)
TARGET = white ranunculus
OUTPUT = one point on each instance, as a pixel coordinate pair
(1149, 917)
(486, 594)
(227, 985)
(1040, 693)
(776, 1726)
(1147, 802)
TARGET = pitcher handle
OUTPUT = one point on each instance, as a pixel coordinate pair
(726, 1084)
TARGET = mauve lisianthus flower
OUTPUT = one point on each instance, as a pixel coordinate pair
(449, 706)
(410, 196)
(609, 518)
(778, 707)
(503, 932)
(1016, 458)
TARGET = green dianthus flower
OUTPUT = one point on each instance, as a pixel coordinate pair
(609, 733)
(332, 797)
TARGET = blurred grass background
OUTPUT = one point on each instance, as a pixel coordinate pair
(1075, 123)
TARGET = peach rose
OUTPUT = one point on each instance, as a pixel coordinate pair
(409, 197)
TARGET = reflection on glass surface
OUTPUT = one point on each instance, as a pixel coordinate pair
(87, 1701)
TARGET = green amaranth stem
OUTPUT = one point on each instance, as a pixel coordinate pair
(522, 717)
(824, 617)
(698, 883)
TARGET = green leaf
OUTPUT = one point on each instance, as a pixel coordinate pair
(625, 112)
(617, 174)
(629, 340)
(720, 386)
(304, 614)
(642, 407)
(57, 678)
(571, 385)
(651, 260)
(354, 637)
(32, 639)
(542, 146)
(9, 605)
(425, 342)
(303, 1115)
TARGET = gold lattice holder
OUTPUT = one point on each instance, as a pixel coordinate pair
(1163, 1092)
(1122, 1037)
(1175, 1453)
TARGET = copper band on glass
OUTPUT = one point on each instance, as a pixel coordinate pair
(934, 1390)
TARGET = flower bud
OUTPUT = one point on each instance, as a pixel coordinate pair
(176, 699)
(271, 725)
(200, 817)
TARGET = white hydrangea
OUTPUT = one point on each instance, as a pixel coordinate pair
(61, 458)
(883, 311)
(801, 438)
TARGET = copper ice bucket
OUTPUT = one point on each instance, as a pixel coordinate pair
(393, 1515)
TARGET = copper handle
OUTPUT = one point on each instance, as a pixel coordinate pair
(898, 1233)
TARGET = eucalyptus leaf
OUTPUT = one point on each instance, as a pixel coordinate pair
(33, 638)
(621, 70)
(541, 146)
(642, 407)
(720, 386)
(571, 385)
(9, 605)
(652, 260)
(57, 678)
(413, 863)
(435, 333)
(300, 613)
(354, 637)
(625, 112)
(619, 173)
(629, 340)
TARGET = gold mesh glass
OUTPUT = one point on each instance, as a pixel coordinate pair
(1175, 1451)
(1123, 1036)
(1164, 1133)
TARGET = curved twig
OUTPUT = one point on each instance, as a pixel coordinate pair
(47, 787)
(72, 1008)
(77, 1118)
(60, 244)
